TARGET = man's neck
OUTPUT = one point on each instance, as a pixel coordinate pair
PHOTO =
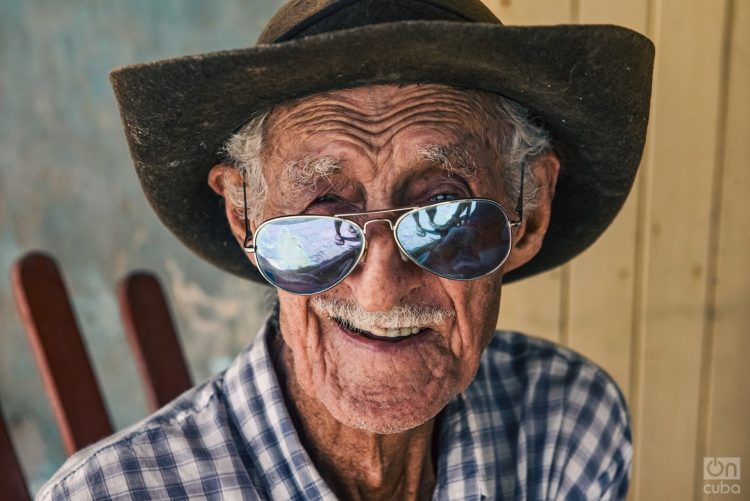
(357, 464)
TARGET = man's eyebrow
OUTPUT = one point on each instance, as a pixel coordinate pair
(453, 159)
(304, 174)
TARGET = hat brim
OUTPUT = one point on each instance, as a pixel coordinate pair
(590, 83)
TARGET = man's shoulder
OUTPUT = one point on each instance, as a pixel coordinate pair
(532, 371)
(563, 414)
(135, 460)
(530, 361)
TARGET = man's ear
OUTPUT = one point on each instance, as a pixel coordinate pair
(223, 179)
(528, 238)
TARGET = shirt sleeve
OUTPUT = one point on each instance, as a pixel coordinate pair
(595, 445)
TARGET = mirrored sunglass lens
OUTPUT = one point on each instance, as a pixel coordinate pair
(307, 255)
(460, 240)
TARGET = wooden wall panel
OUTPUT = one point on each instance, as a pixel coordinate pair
(602, 279)
(686, 97)
(726, 406)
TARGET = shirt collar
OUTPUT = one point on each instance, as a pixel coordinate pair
(466, 458)
(255, 396)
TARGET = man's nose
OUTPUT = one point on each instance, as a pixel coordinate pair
(384, 277)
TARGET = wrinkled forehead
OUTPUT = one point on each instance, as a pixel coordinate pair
(375, 117)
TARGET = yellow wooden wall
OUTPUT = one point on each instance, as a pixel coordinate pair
(662, 300)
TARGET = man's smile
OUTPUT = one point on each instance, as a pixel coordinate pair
(379, 333)
(401, 324)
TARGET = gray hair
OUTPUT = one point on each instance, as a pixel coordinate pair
(244, 151)
(522, 141)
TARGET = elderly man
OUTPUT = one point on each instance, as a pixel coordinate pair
(386, 166)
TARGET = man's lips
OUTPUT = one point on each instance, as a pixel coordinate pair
(390, 337)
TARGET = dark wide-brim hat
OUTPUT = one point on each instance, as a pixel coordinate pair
(590, 84)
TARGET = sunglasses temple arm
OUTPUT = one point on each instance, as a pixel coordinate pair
(519, 204)
(248, 234)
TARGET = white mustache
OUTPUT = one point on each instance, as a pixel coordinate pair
(398, 317)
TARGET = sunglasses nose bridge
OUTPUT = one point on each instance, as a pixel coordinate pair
(388, 221)
(364, 232)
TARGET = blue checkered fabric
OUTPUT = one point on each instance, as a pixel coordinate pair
(538, 422)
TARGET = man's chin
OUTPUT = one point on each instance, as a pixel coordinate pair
(385, 418)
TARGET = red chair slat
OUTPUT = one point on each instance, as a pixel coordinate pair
(59, 351)
(152, 337)
(12, 481)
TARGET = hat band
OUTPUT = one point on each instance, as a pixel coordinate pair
(377, 13)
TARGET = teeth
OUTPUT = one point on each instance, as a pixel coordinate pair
(383, 332)
(404, 331)
(377, 331)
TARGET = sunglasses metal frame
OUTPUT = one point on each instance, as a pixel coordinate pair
(249, 248)
(362, 231)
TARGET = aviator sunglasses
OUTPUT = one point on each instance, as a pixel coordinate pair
(462, 239)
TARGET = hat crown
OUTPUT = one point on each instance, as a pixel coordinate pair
(302, 18)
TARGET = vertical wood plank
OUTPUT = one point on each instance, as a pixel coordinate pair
(602, 278)
(531, 11)
(727, 403)
(601, 297)
(686, 94)
(640, 297)
(533, 305)
(603, 285)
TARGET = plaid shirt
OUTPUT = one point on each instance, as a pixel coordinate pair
(538, 422)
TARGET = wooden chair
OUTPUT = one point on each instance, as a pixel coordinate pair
(153, 338)
(12, 481)
(60, 352)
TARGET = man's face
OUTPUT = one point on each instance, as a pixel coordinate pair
(374, 144)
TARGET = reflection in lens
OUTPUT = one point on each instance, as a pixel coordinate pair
(307, 254)
(460, 240)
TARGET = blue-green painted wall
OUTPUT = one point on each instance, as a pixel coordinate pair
(67, 186)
